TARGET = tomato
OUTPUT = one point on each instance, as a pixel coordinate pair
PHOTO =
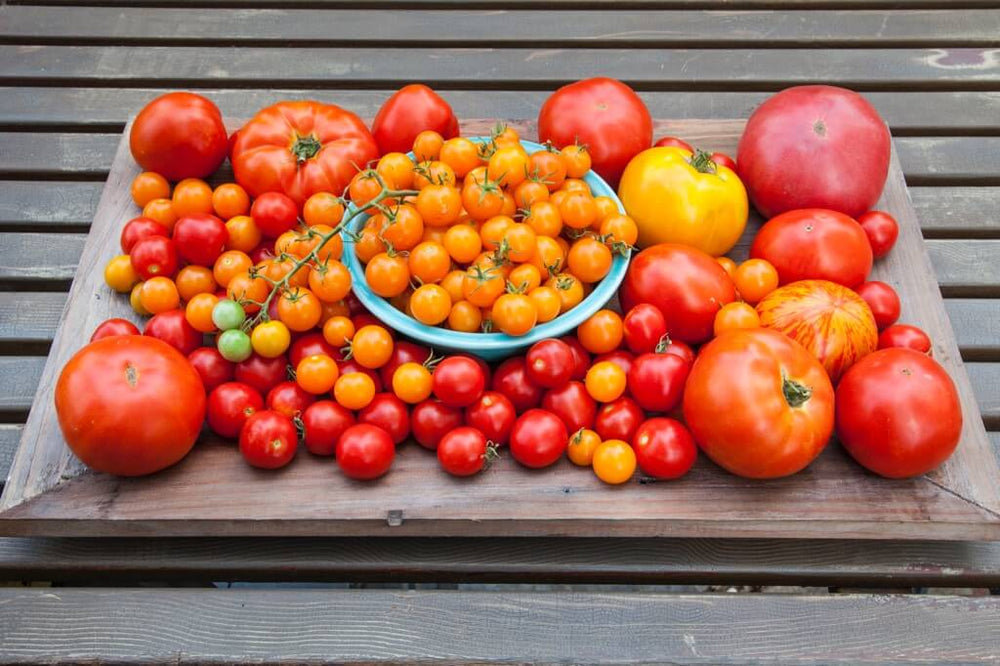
(289, 398)
(493, 415)
(576, 160)
(550, 363)
(316, 374)
(619, 419)
(274, 213)
(581, 447)
(192, 196)
(112, 327)
(728, 264)
(578, 210)
(388, 413)
(427, 145)
(572, 404)
(685, 284)
(620, 357)
(673, 142)
(898, 413)
(354, 390)
(605, 381)
(656, 381)
(372, 346)
(676, 197)
(463, 451)
(120, 275)
(411, 110)
(643, 328)
(323, 423)
(602, 332)
(664, 448)
(147, 186)
(230, 405)
(759, 404)
(139, 228)
(581, 357)
(904, 335)
(429, 304)
(159, 294)
(508, 165)
(815, 244)
(668, 346)
(396, 170)
(439, 205)
(412, 383)
(755, 279)
(234, 345)
(458, 381)
(724, 160)
(194, 280)
(883, 301)
(429, 262)
(431, 420)
(832, 322)
(547, 303)
(154, 255)
(481, 197)
(605, 115)
(525, 278)
(301, 148)
(261, 373)
(538, 438)
(514, 314)
(179, 135)
(365, 452)
(268, 440)
(881, 230)
(161, 211)
(212, 368)
(614, 461)
(511, 379)
(404, 229)
(200, 238)
(403, 352)
(172, 327)
(735, 316)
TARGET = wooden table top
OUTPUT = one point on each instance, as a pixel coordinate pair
(71, 75)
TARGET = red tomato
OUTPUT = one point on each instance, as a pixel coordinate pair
(268, 440)
(538, 438)
(139, 228)
(274, 214)
(644, 327)
(346, 367)
(324, 422)
(664, 448)
(898, 413)
(493, 415)
(814, 147)
(581, 357)
(620, 357)
(571, 403)
(668, 346)
(603, 114)
(289, 398)
(411, 110)
(550, 363)
(656, 381)
(883, 301)
(301, 148)
(458, 381)
(229, 407)
(815, 244)
(673, 142)
(173, 328)
(685, 284)
(118, 407)
(402, 352)
(311, 344)
(388, 413)
(111, 327)
(179, 135)
(211, 367)
(263, 374)
(906, 336)
(483, 365)
(463, 451)
(723, 160)
(882, 231)
(365, 452)
(758, 403)
(431, 420)
(262, 252)
(619, 419)
(153, 256)
(511, 379)
(200, 238)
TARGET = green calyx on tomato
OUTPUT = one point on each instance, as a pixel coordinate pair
(796, 394)
(305, 147)
(703, 163)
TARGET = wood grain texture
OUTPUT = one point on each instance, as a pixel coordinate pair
(21, 375)
(590, 4)
(35, 204)
(373, 626)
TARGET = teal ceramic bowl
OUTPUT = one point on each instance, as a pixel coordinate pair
(489, 346)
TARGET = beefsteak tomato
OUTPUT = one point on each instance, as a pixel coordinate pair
(179, 135)
(411, 110)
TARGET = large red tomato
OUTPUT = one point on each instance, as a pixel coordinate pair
(898, 413)
(814, 147)
(758, 404)
(179, 135)
(129, 405)
(815, 244)
(603, 114)
(687, 285)
(411, 110)
(300, 148)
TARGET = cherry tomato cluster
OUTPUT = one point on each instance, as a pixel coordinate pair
(488, 238)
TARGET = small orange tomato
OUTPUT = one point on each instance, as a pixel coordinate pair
(412, 383)
(605, 381)
(589, 259)
(529, 192)
(387, 275)
(433, 173)
(620, 229)
(548, 168)
(463, 243)
(734, 316)
(602, 332)
(429, 262)
(193, 280)
(728, 264)
(513, 314)
(198, 312)
(147, 186)
(465, 317)
(316, 374)
(493, 230)
(508, 166)
(576, 159)
(338, 330)
(403, 229)
(547, 303)
(243, 233)
(578, 210)
(135, 300)
(481, 197)
(248, 291)
(755, 279)
(369, 244)
(452, 283)
(354, 390)
(460, 154)
(582, 445)
(120, 275)
(482, 285)
(323, 208)
(520, 239)
(575, 185)
(192, 195)
(606, 207)
(430, 304)
(270, 339)
(525, 278)
(544, 218)
(569, 288)
(330, 281)
(299, 309)
(439, 205)
(162, 211)
(505, 135)
(230, 200)
(230, 264)
(364, 187)
(427, 146)
(614, 462)
(434, 234)
(159, 294)
(336, 309)
(331, 249)
(371, 346)
(509, 207)
(396, 169)
(286, 243)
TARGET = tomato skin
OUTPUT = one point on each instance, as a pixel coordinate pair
(200, 238)
(411, 110)
(550, 363)
(511, 379)
(620, 357)
(268, 440)
(619, 419)
(538, 439)
(898, 413)
(905, 336)
(685, 284)
(289, 398)
(153, 256)
(431, 420)
(664, 448)
(883, 301)
(311, 344)
(139, 228)
(605, 115)
(814, 147)
(262, 373)
(212, 368)
(365, 452)
(724, 160)
(103, 400)
(173, 328)
(656, 381)
(458, 381)
(882, 231)
(324, 422)
(274, 213)
(581, 357)
(493, 415)
(673, 142)
(815, 244)
(112, 327)
(179, 135)
(571, 403)
(644, 326)
(349, 366)
(462, 452)
(736, 407)
(229, 406)
(403, 351)
(677, 347)
(388, 413)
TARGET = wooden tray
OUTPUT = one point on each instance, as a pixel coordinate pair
(213, 492)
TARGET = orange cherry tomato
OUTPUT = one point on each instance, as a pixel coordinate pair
(508, 166)
(513, 314)
(734, 316)
(602, 332)
(529, 192)
(606, 207)
(338, 330)
(605, 381)
(493, 230)
(299, 309)
(569, 288)
(482, 285)
(460, 154)
(547, 303)
(620, 229)
(192, 195)
(403, 228)
(548, 168)
(369, 243)
(452, 283)
(439, 205)
(333, 248)
(728, 264)
(162, 211)
(614, 462)
(544, 218)
(465, 317)
(147, 186)
(427, 146)
(548, 257)
(230, 200)
(120, 275)
(430, 304)
(248, 291)
(285, 266)
(576, 159)
(198, 312)
(135, 300)
(412, 382)
(354, 390)
(387, 275)
(243, 233)
(505, 135)
(364, 187)
(193, 280)
(429, 262)
(371, 346)
(463, 243)
(578, 210)
(525, 278)
(509, 207)
(433, 173)
(316, 374)
(582, 445)
(323, 208)
(589, 259)
(396, 170)
(330, 281)
(482, 197)
(159, 294)
(520, 241)
(755, 279)
(331, 310)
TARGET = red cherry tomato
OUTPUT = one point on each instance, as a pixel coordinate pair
(268, 440)
(346, 367)
(289, 398)
(274, 213)
(511, 379)
(664, 448)
(673, 142)
(581, 357)
(619, 419)
(153, 256)
(229, 407)
(365, 452)
(362, 319)
(262, 252)
(402, 352)
(550, 363)
(140, 228)
(324, 422)
(173, 328)
(311, 344)
(620, 357)
(200, 238)
(483, 365)
(723, 160)
(212, 368)
(571, 403)
(906, 336)
(682, 349)
(262, 373)
(463, 451)
(882, 231)
(493, 415)
(111, 327)
(388, 413)
(883, 301)
(431, 420)
(458, 381)
(644, 326)
(656, 381)
(538, 439)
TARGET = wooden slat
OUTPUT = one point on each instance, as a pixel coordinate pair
(239, 626)
(966, 267)
(957, 212)
(722, 69)
(590, 4)
(10, 435)
(625, 28)
(949, 159)
(21, 375)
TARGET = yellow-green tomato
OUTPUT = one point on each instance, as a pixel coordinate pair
(677, 197)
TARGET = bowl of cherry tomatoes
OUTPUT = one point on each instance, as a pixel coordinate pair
(461, 294)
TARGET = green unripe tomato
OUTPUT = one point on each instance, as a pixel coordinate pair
(228, 314)
(234, 345)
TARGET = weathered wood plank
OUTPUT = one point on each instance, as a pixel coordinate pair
(957, 212)
(10, 435)
(594, 4)
(966, 267)
(949, 159)
(648, 69)
(305, 626)
(21, 375)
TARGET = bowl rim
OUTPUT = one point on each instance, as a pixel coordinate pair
(436, 336)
